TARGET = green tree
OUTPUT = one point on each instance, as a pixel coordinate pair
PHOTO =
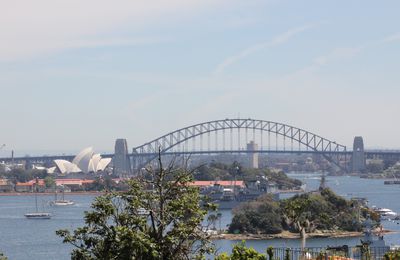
(297, 213)
(21, 175)
(260, 216)
(241, 252)
(3, 257)
(49, 182)
(212, 220)
(158, 218)
(270, 253)
(392, 255)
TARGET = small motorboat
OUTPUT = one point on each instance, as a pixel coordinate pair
(385, 213)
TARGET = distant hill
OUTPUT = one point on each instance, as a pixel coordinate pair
(220, 171)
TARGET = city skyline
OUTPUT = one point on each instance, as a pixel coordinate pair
(73, 76)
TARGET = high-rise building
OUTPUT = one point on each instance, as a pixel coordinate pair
(121, 162)
(253, 157)
(358, 157)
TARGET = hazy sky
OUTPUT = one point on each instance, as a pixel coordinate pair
(79, 73)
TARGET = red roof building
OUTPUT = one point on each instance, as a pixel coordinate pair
(28, 186)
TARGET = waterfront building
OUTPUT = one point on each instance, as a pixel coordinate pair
(6, 185)
(86, 161)
(30, 186)
(66, 184)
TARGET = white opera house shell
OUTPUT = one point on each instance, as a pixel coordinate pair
(86, 161)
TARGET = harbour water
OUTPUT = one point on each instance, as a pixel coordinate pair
(23, 239)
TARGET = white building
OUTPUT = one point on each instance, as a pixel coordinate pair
(86, 161)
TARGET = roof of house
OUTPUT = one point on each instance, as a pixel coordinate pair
(40, 182)
(24, 184)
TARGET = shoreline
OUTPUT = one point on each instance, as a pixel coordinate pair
(51, 193)
(288, 235)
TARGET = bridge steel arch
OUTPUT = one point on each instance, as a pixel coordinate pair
(329, 149)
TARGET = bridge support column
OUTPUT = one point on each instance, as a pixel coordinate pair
(28, 165)
(253, 157)
(358, 157)
(122, 162)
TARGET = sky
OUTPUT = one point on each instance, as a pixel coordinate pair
(83, 73)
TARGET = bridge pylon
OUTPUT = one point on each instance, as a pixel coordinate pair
(358, 162)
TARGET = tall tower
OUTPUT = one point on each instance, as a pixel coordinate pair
(253, 157)
(358, 157)
(122, 163)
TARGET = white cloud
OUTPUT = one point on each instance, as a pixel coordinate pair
(337, 55)
(392, 38)
(278, 40)
(31, 28)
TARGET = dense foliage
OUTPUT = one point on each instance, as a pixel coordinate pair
(159, 223)
(220, 171)
(307, 212)
(323, 211)
(22, 175)
(106, 183)
(2, 256)
(260, 216)
(241, 252)
(392, 255)
(281, 179)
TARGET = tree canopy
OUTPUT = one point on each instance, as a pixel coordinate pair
(307, 212)
(241, 252)
(3, 257)
(260, 216)
(219, 171)
(158, 218)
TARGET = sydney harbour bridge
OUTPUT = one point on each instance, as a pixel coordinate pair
(239, 136)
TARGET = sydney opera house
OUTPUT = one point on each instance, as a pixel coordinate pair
(86, 161)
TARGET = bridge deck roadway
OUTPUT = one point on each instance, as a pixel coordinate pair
(368, 154)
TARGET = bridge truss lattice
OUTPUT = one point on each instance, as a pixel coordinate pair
(232, 135)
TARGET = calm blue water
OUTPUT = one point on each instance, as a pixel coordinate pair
(374, 190)
(23, 239)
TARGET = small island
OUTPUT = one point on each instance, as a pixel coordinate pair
(320, 213)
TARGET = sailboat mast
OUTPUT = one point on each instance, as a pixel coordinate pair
(36, 190)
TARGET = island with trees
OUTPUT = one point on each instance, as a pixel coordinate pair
(320, 213)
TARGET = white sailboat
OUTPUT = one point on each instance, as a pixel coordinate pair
(37, 214)
(62, 201)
